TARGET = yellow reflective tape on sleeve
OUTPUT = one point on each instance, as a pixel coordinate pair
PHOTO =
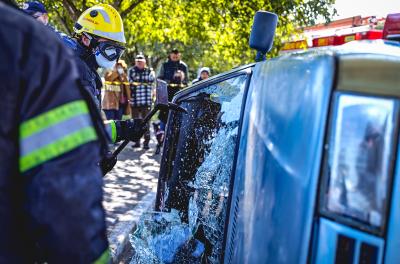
(57, 148)
(52, 117)
(113, 131)
(104, 258)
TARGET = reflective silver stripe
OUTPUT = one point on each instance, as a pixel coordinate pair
(105, 16)
(117, 36)
(54, 133)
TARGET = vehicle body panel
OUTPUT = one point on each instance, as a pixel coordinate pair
(276, 177)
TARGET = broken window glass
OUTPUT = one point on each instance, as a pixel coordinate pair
(191, 223)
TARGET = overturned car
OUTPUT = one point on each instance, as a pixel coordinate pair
(288, 160)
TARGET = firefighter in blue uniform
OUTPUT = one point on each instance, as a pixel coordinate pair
(51, 137)
(98, 43)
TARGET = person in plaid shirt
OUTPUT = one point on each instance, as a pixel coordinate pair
(141, 80)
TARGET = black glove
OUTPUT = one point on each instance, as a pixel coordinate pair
(107, 163)
(132, 129)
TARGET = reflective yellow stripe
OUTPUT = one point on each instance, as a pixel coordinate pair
(52, 117)
(53, 133)
(104, 258)
(111, 130)
(57, 148)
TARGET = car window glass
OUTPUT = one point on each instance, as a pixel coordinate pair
(199, 165)
(360, 151)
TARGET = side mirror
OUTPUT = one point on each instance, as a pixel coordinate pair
(263, 32)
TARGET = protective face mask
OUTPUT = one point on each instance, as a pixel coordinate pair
(120, 70)
(103, 62)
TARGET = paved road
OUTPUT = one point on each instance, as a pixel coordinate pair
(131, 184)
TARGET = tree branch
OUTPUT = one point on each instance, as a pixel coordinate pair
(125, 12)
(72, 10)
(117, 4)
(84, 6)
(64, 22)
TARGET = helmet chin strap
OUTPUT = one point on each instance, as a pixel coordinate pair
(87, 53)
(92, 41)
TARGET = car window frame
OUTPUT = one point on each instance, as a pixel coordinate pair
(183, 95)
(325, 176)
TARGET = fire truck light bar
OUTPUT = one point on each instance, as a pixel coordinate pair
(391, 29)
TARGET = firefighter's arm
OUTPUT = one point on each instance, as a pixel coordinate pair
(59, 152)
(132, 130)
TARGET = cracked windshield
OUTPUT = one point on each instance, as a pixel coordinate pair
(190, 225)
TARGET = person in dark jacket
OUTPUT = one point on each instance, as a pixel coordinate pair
(52, 136)
(171, 66)
(175, 72)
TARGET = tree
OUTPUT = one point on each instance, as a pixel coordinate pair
(209, 33)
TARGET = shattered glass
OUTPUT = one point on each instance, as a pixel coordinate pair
(190, 226)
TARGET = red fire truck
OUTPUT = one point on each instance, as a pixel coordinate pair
(345, 30)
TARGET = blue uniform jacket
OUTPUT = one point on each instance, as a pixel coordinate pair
(51, 139)
(87, 68)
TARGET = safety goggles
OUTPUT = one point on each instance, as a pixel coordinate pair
(110, 50)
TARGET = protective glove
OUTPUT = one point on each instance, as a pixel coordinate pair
(132, 129)
(107, 163)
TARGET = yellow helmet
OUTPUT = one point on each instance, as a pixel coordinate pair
(103, 21)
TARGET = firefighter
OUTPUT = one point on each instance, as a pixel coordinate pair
(100, 40)
(51, 136)
(98, 43)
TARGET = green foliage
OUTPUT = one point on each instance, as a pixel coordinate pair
(208, 33)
